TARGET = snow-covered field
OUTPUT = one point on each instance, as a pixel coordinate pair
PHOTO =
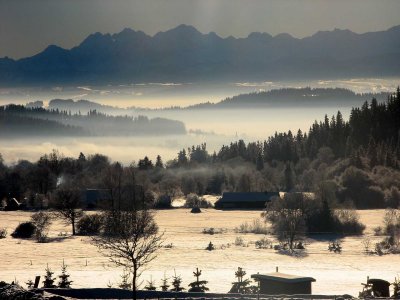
(335, 273)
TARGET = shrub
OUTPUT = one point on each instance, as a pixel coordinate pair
(42, 222)
(168, 246)
(392, 222)
(192, 200)
(392, 197)
(347, 222)
(378, 230)
(195, 210)
(210, 247)
(213, 231)
(391, 243)
(239, 241)
(256, 227)
(335, 246)
(163, 201)
(90, 224)
(3, 233)
(209, 231)
(24, 230)
(264, 243)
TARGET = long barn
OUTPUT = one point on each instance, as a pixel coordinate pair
(249, 200)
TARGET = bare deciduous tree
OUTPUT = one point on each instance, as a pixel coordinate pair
(287, 219)
(68, 203)
(42, 222)
(132, 242)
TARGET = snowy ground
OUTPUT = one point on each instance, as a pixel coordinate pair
(335, 273)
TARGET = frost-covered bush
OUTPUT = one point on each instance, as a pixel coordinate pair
(192, 200)
(264, 243)
(239, 241)
(90, 224)
(3, 233)
(42, 222)
(347, 222)
(256, 227)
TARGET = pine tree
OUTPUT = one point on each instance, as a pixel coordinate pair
(210, 246)
(164, 287)
(159, 162)
(29, 284)
(260, 162)
(176, 283)
(288, 177)
(48, 278)
(150, 285)
(64, 282)
(240, 286)
(125, 281)
(198, 285)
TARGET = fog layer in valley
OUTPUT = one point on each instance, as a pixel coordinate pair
(166, 94)
(216, 128)
(212, 126)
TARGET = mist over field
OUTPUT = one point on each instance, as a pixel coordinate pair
(167, 94)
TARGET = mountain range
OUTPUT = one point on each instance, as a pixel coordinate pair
(184, 54)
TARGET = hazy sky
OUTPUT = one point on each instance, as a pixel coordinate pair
(28, 26)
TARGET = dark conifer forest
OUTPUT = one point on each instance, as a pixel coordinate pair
(19, 120)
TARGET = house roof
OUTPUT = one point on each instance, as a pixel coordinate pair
(281, 277)
(248, 197)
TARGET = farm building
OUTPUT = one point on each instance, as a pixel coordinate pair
(92, 197)
(283, 284)
(250, 200)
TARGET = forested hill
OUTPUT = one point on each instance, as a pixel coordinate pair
(372, 132)
(294, 97)
(359, 159)
(18, 120)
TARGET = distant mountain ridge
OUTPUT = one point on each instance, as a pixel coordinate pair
(184, 54)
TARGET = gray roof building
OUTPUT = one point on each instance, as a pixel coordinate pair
(248, 200)
(283, 284)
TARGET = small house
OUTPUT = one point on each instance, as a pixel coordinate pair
(249, 200)
(283, 284)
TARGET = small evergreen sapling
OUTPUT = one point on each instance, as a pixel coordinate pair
(64, 281)
(210, 247)
(176, 283)
(125, 281)
(48, 278)
(242, 285)
(150, 285)
(164, 287)
(198, 285)
(29, 284)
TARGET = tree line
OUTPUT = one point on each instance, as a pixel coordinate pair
(20, 120)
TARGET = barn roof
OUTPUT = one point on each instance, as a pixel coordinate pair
(281, 277)
(248, 197)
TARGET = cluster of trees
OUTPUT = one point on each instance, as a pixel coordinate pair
(297, 97)
(21, 120)
(297, 214)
